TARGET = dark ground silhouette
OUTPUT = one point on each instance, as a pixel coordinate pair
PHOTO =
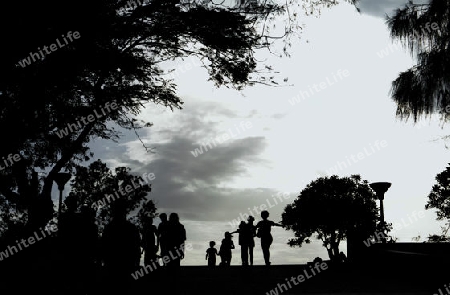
(407, 268)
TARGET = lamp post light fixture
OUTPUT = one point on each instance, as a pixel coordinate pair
(61, 179)
(380, 188)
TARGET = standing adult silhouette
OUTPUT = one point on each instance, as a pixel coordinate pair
(251, 236)
(243, 241)
(89, 248)
(149, 241)
(163, 229)
(175, 240)
(176, 237)
(264, 232)
(121, 247)
(70, 239)
(78, 242)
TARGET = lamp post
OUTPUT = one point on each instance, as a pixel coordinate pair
(380, 188)
(61, 179)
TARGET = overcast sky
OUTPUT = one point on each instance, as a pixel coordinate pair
(272, 143)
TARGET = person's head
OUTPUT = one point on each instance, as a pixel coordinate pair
(264, 214)
(228, 235)
(242, 224)
(212, 244)
(174, 218)
(250, 219)
(163, 216)
(148, 220)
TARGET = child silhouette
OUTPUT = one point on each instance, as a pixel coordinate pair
(225, 249)
(211, 254)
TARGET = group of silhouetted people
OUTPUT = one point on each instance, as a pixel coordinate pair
(169, 238)
(247, 232)
(117, 253)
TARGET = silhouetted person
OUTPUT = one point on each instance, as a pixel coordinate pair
(264, 228)
(243, 240)
(121, 249)
(251, 236)
(163, 235)
(149, 241)
(225, 249)
(176, 236)
(211, 254)
(69, 236)
(89, 247)
(78, 237)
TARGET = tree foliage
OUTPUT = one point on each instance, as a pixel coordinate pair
(97, 187)
(330, 207)
(118, 57)
(423, 89)
(439, 199)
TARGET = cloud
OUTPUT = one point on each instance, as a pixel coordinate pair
(198, 188)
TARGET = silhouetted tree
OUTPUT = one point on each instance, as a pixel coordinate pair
(439, 199)
(113, 52)
(423, 89)
(97, 187)
(330, 207)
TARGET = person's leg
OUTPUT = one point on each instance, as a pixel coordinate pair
(269, 242)
(250, 254)
(264, 249)
(266, 254)
(244, 254)
(265, 245)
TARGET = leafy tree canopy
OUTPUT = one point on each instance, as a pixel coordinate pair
(98, 188)
(330, 207)
(74, 70)
(423, 89)
(439, 199)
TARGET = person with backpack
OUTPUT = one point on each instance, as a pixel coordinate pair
(225, 249)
